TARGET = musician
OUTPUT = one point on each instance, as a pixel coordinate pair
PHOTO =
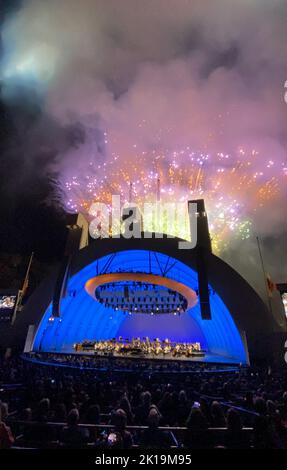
(136, 345)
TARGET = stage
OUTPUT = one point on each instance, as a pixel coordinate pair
(202, 358)
(153, 297)
(207, 358)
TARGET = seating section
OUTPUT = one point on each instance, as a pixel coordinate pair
(48, 406)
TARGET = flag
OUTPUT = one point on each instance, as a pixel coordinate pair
(271, 286)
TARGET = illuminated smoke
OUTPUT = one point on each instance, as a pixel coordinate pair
(190, 92)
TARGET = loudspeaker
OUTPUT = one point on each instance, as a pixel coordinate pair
(202, 249)
(61, 286)
(126, 292)
(201, 261)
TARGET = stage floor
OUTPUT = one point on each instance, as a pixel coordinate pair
(207, 358)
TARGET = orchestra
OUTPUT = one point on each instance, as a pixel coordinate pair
(140, 347)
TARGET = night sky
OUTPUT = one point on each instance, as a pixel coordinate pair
(28, 222)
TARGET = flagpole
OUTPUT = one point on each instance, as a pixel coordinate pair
(22, 291)
(264, 274)
(26, 279)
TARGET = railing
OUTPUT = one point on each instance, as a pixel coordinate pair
(194, 367)
(177, 432)
(111, 426)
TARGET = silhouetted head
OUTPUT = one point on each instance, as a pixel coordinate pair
(73, 417)
(120, 419)
(234, 423)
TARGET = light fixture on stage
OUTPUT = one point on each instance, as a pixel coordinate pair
(141, 293)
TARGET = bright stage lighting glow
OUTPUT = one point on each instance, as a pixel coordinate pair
(84, 318)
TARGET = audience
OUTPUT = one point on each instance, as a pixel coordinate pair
(197, 436)
(235, 438)
(72, 435)
(217, 415)
(153, 437)
(206, 407)
(121, 437)
(6, 437)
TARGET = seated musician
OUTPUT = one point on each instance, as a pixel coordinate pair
(144, 345)
(167, 348)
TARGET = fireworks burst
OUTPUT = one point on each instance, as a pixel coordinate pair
(233, 186)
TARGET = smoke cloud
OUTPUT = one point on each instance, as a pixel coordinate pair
(128, 78)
